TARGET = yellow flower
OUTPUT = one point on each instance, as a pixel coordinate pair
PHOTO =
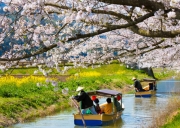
(9, 80)
(120, 72)
(85, 74)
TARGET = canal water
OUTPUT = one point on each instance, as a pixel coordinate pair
(138, 112)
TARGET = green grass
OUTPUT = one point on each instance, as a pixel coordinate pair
(162, 73)
(175, 123)
(20, 71)
(109, 77)
(14, 99)
(110, 69)
(27, 71)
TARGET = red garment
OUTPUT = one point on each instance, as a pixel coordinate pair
(98, 109)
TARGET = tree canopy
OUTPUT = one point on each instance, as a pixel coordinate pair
(90, 31)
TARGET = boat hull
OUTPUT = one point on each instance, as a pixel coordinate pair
(147, 94)
(96, 120)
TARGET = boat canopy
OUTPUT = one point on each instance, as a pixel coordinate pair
(105, 92)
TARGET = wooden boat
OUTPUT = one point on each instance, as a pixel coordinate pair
(149, 85)
(102, 119)
(145, 93)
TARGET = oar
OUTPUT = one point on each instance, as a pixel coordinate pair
(65, 91)
(77, 106)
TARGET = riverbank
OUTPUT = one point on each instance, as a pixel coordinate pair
(23, 99)
(28, 113)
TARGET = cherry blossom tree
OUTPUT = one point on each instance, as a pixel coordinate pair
(90, 31)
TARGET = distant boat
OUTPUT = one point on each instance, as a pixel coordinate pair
(149, 85)
(102, 119)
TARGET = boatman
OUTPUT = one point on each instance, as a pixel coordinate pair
(137, 85)
(86, 102)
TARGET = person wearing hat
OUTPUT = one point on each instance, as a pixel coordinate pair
(137, 85)
(86, 102)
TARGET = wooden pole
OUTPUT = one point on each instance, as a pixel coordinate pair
(77, 106)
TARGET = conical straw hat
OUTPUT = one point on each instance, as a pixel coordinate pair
(79, 89)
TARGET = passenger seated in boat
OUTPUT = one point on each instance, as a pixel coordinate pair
(108, 107)
(97, 107)
(117, 105)
(137, 85)
(151, 86)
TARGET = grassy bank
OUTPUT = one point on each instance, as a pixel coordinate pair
(24, 98)
(169, 117)
(29, 97)
(174, 123)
